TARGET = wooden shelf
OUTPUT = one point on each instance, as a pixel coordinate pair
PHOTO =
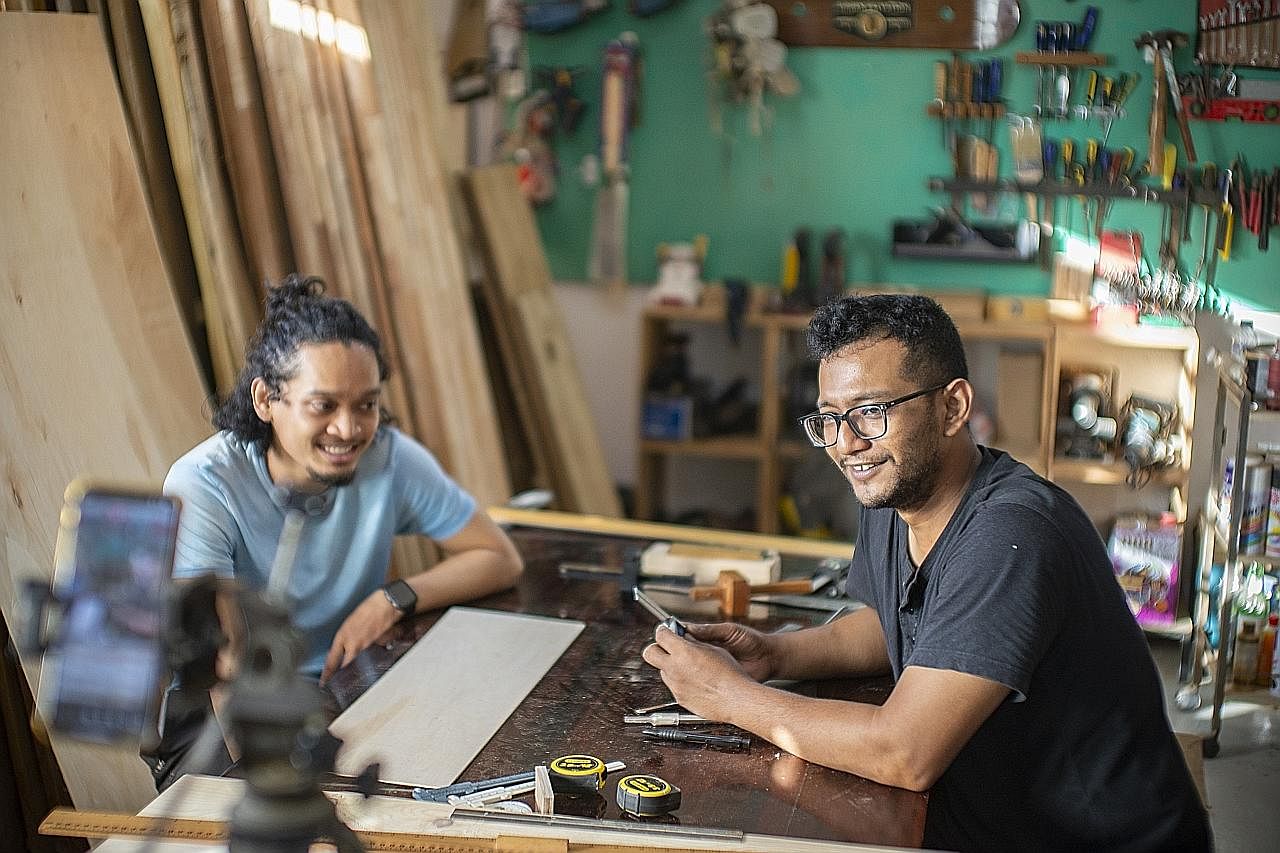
(723, 447)
(1137, 337)
(1093, 473)
(1074, 59)
(1158, 355)
(964, 109)
(1132, 192)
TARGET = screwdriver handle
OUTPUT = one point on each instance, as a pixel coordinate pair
(940, 81)
(1091, 88)
(995, 80)
(1085, 34)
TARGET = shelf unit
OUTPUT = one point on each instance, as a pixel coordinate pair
(1197, 654)
(1156, 362)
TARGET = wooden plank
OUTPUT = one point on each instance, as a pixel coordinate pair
(418, 237)
(145, 119)
(237, 300)
(209, 798)
(436, 708)
(250, 162)
(672, 532)
(97, 377)
(165, 62)
(518, 286)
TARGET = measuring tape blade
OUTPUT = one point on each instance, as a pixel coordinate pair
(89, 824)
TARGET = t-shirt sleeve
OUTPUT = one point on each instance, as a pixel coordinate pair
(997, 607)
(432, 504)
(206, 529)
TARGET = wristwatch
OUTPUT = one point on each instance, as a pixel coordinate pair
(401, 596)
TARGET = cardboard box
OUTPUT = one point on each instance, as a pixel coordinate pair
(1019, 392)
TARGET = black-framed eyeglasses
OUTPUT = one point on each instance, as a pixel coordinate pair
(868, 422)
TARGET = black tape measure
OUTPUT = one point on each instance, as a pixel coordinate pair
(576, 774)
(647, 796)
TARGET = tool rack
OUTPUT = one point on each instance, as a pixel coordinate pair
(1218, 544)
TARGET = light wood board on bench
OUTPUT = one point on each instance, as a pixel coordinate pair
(436, 708)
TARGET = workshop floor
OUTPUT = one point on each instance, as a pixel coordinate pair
(1243, 782)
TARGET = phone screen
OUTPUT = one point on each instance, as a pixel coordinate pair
(101, 674)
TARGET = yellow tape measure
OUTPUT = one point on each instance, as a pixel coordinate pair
(577, 774)
(647, 796)
(87, 824)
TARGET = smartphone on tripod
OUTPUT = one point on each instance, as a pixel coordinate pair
(101, 623)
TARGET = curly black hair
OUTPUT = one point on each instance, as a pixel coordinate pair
(297, 313)
(935, 353)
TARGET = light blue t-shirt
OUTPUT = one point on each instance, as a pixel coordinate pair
(232, 514)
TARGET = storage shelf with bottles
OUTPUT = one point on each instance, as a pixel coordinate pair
(1151, 359)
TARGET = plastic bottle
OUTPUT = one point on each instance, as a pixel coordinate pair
(1244, 666)
(1266, 651)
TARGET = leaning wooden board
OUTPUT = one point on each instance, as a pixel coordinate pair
(97, 377)
(945, 24)
(518, 288)
(436, 708)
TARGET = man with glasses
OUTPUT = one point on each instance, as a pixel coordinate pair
(1025, 698)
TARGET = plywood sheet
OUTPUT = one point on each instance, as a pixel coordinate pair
(97, 377)
(436, 708)
(518, 287)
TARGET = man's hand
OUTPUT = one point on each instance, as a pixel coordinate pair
(703, 678)
(366, 624)
(750, 648)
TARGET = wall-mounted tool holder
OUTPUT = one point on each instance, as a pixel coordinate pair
(1235, 33)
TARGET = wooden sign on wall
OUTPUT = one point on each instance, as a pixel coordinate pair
(945, 24)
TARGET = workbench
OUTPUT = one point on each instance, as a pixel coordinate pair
(579, 705)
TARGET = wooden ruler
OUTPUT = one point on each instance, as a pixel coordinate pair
(89, 824)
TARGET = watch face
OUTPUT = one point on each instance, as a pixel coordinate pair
(401, 596)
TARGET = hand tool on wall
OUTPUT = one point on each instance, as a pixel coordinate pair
(608, 260)
(1166, 40)
(1042, 46)
(1155, 128)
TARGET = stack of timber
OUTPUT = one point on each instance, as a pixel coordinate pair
(545, 378)
(351, 97)
(98, 376)
(185, 94)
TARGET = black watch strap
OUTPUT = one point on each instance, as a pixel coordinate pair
(401, 596)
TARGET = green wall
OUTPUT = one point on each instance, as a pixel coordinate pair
(852, 150)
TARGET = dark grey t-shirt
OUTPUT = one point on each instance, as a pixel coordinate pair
(1019, 590)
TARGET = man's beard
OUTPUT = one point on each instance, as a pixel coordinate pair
(917, 480)
(331, 479)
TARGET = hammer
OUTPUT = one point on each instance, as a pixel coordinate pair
(1161, 44)
(734, 593)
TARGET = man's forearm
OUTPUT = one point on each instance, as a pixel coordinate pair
(851, 646)
(843, 735)
(463, 577)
